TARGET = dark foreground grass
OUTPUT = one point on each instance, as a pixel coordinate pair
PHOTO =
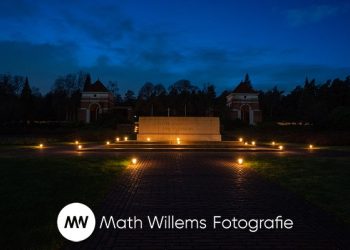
(324, 181)
(34, 190)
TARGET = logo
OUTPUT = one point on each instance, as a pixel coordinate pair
(76, 222)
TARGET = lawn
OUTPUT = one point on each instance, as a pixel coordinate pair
(33, 191)
(323, 181)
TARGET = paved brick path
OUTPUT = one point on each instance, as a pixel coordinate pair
(200, 185)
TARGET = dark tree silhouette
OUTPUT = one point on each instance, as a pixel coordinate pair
(26, 100)
(146, 91)
(324, 105)
(129, 97)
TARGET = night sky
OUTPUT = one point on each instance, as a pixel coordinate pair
(276, 42)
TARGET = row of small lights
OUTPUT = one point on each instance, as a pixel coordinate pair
(247, 143)
(273, 143)
(178, 142)
(134, 160)
(253, 143)
(117, 139)
(280, 147)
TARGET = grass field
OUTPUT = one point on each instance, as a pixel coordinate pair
(34, 190)
(324, 181)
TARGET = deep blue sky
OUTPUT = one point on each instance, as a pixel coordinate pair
(276, 42)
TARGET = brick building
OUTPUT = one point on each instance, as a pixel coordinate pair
(244, 103)
(95, 100)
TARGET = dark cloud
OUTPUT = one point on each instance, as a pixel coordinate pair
(312, 14)
(212, 55)
(161, 58)
(44, 62)
(167, 66)
(45, 39)
(103, 24)
(130, 76)
(18, 9)
(56, 21)
(40, 62)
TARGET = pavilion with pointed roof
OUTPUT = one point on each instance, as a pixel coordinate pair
(95, 87)
(95, 100)
(243, 103)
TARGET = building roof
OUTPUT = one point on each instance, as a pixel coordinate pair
(95, 87)
(244, 87)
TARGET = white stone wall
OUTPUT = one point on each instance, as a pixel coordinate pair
(186, 128)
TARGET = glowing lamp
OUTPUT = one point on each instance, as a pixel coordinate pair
(133, 160)
(41, 145)
(125, 138)
(178, 142)
(246, 143)
(148, 139)
(117, 139)
(76, 142)
(280, 147)
(253, 143)
(107, 142)
(240, 161)
(273, 143)
(80, 147)
(240, 139)
(311, 146)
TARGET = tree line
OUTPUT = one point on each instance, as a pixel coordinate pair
(325, 104)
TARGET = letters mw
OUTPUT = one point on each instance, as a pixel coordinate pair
(76, 222)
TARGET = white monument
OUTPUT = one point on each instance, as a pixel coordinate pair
(160, 128)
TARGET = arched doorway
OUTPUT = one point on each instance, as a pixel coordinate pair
(245, 117)
(94, 111)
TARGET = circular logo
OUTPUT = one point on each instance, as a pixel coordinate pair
(76, 222)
